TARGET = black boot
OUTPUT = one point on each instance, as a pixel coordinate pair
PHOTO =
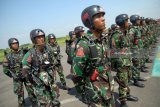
(149, 61)
(131, 82)
(34, 104)
(56, 103)
(21, 105)
(131, 98)
(144, 70)
(139, 84)
(142, 79)
(64, 86)
(123, 104)
(84, 98)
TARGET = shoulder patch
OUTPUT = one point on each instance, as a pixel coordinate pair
(80, 52)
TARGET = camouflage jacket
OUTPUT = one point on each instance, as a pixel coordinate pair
(135, 35)
(90, 54)
(35, 61)
(120, 47)
(12, 64)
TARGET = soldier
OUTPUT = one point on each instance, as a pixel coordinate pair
(38, 68)
(113, 29)
(91, 68)
(55, 49)
(121, 52)
(79, 31)
(70, 48)
(149, 34)
(139, 38)
(12, 67)
(145, 39)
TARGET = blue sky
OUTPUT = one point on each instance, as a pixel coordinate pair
(19, 17)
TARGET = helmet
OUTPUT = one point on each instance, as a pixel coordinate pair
(35, 33)
(134, 18)
(51, 36)
(120, 19)
(71, 33)
(114, 26)
(88, 13)
(12, 40)
(79, 29)
(135, 61)
(147, 20)
(142, 18)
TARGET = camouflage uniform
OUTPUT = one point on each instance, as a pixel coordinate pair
(55, 49)
(136, 45)
(123, 62)
(70, 47)
(91, 71)
(38, 68)
(34, 63)
(13, 63)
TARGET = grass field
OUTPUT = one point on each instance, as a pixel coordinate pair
(60, 40)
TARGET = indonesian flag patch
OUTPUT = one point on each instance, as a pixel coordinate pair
(80, 52)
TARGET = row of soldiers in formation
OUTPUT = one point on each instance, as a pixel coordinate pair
(123, 48)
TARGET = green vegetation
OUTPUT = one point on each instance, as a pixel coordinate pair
(1, 54)
(60, 40)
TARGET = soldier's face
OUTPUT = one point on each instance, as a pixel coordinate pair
(99, 21)
(15, 46)
(126, 24)
(73, 37)
(81, 33)
(40, 40)
(138, 22)
(52, 40)
(143, 22)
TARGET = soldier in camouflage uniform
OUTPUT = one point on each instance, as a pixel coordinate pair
(145, 39)
(137, 43)
(70, 48)
(120, 51)
(12, 67)
(55, 49)
(114, 28)
(149, 34)
(90, 65)
(79, 31)
(38, 68)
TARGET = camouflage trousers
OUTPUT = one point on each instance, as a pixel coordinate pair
(47, 96)
(19, 90)
(135, 72)
(123, 76)
(99, 93)
(60, 73)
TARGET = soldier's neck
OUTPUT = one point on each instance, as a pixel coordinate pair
(15, 51)
(96, 34)
(39, 48)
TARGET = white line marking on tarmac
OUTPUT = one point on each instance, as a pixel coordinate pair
(73, 99)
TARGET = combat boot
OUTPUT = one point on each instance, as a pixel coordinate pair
(131, 82)
(132, 98)
(84, 99)
(21, 105)
(56, 103)
(142, 79)
(64, 86)
(123, 104)
(149, 61)
(34, 104)
(144, 70)
(139, 84)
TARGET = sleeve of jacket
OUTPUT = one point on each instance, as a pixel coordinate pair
(26, 63)
(80, 60)
(6, 67)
